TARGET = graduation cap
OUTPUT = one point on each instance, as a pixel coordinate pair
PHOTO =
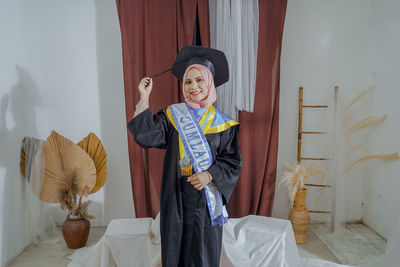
(215, 60)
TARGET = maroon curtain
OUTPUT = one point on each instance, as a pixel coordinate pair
(254, 193)
(152, 34)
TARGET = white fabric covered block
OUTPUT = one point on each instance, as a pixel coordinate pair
(248, 241)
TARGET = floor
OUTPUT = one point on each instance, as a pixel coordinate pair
(53, 256)
(315, 249)
(353, 244)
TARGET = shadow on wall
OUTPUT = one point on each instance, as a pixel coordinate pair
(20, 107)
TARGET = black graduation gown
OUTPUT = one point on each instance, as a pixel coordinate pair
(187, 237)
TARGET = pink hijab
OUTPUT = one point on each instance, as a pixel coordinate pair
(209, 80)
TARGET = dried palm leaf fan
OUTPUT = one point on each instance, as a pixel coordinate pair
(64, 161)
(92, 145)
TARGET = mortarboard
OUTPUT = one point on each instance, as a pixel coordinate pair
(214, 59)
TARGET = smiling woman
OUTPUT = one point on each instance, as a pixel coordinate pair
(202, 160)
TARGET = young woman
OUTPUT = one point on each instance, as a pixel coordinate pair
(202, 160)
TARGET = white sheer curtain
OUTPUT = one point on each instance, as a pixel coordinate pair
(234, 30)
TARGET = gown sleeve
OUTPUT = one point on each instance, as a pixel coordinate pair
(150, 130)
(227, 164)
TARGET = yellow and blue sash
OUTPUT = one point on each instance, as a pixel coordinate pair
(192, 125)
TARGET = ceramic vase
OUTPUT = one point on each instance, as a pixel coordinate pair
(75, 230)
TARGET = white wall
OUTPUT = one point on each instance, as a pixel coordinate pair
(324, 45)
(382, 197)
(353, 45)
(60, 69)
(118, 200)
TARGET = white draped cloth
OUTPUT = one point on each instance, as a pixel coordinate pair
(234, 30)
(248, 241)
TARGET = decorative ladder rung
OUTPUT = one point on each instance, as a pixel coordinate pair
(304, 132)
(319, 211)
(314, 158)
(318, 185)
(315, 106)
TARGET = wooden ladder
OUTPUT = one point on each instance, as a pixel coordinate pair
(300, 157)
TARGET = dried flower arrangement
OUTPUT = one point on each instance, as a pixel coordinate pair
(68, 199)
(65, 172)
(296, 174)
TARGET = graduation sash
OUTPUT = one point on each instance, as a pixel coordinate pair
(193, 145)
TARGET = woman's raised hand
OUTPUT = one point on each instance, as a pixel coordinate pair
(145, 86)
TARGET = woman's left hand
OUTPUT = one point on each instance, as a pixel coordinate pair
(200, 180)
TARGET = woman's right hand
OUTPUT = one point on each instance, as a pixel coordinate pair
(145, 90)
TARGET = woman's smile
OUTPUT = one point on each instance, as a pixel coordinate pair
(195, 93)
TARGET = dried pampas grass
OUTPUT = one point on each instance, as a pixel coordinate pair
(365, 123)
(354, 149)
(385, 157)
(296, 174)
(67, 197)
(348, 113)
(361, 95)
(83, 210)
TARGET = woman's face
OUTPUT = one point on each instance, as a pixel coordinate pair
(195, 86)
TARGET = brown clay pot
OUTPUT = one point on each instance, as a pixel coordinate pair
(75, 231)
(300, 217)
